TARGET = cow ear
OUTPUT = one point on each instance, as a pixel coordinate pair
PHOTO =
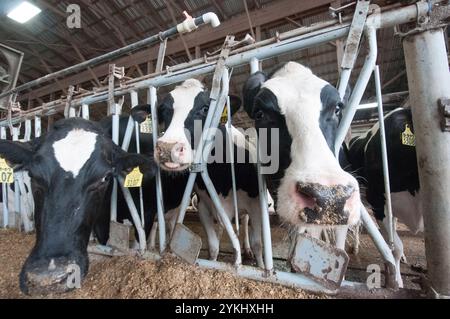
(251, 88)
(235, 104)
(140, 112)
(124, 162)
(17, 153)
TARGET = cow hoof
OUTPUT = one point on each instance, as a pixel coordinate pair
(248, 255)
(403, 259)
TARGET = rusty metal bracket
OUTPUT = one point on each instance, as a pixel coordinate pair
(355, 34)
(337, 12)
(444, 108)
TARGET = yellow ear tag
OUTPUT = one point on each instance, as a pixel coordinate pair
(146, 126)
(408, 137)
(224, 117)
(6, 172)
(134, 178)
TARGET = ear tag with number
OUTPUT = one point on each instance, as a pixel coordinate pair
(146, 126)
(224, 116)
(6, 172)
(408, 137)
(134, 178)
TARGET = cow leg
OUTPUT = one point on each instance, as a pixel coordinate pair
(151, 242)
(248, 254)
(208, 224)
(255, 232)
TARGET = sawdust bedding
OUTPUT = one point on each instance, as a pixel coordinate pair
(133, 277)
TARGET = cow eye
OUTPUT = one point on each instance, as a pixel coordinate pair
(205, 110)
(259, 115)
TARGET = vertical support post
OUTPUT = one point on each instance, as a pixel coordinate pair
(428, 80)
(5, 189)
(27, 135)
(233, 173)
(135, 102)
(115, 139)
(37, 127)
(262, 187)
(387, 185)
(85, 111)
(17, 207)
(159, 192)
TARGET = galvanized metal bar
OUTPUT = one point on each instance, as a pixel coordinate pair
(134, 103)
(17, 204)
(37, 127)
(159, 191)
(27, 135)
(233, 173)
(134, 214)
(115, 139)
(198, 156)
(428, 80)
(360, 87)
(85, 111)
(4, 189)
(192, 24)
(225, 221)
(384, 156)
(262, 189)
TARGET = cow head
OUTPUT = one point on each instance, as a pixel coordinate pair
(310, 183)
(182, 113)
(70, 169)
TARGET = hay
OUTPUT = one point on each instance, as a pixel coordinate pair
(133, 277)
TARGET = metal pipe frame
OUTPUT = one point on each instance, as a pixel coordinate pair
(209, 17)
(298, 39)
(262, 189)
(159, 192)
(384, 156)
(428, 80)
(4, 189)
(233, 172)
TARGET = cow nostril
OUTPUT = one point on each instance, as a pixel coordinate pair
(307, 195)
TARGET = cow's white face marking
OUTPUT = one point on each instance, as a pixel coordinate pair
(298, 93)
(73, 151)
(183, 102)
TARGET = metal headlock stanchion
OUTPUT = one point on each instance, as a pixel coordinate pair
(218, 98)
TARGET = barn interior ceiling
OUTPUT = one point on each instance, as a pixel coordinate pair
(50, 45)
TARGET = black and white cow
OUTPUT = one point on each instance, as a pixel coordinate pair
(179, 112)
(71, 168)
(310, 188)
(365, 157)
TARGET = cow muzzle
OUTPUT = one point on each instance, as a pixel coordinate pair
(53, 276)
(324, 205)
(173, 156)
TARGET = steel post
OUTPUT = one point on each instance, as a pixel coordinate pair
(429, 80)
(159, 192)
